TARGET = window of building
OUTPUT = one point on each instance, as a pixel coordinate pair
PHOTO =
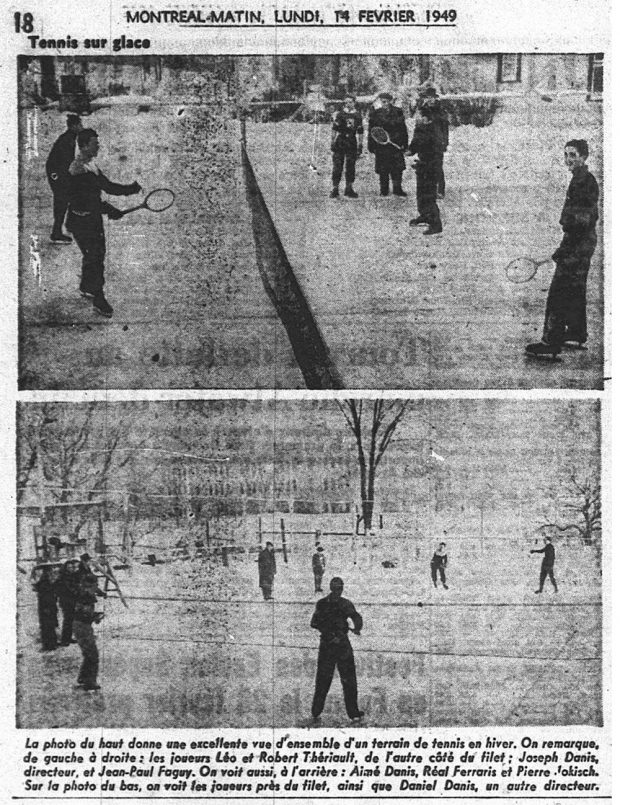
(508, 68)
(595, 76)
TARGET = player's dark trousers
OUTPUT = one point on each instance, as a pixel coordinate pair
(340, 160)
(565, 316)
(442, 574)
(441, 178)
(91, 242)
(61, 204)
(267, 590)
(330, 657)
(85, 636)
(544, 572)
(47, 626)
(426, 194)
(384, 181)
(318, 582)
(67, 625)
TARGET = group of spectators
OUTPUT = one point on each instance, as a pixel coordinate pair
(74, 589)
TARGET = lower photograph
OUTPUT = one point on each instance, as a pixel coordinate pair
(307, 563)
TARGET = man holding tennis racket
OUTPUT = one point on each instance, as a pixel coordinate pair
(85, 218)
(565, 316)
(387, 140)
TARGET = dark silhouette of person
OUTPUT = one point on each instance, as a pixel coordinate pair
(46, 607)
(83, 618)
(266, 570)
(331, 617)
(318, 568)
(546, 568)
(439, 563)
(57, 169)
(66, 588)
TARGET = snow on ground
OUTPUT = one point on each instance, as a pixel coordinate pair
(400, 310)
(198, 647)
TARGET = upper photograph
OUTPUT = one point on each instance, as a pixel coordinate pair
(321, 222)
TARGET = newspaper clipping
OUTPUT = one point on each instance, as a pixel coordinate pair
(306, 412)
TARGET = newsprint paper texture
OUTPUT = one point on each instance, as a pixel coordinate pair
(306, 401)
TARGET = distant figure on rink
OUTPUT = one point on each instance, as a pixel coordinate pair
(565, 316)
(318, 568)
(347, 132)
(427, 146)
(46, 607)
(439, 563)
(66, 588)
(86, 211)
(331, 617)
(83, 618)
(546, 568)
(57, 169)
(389, 158)
(267, 570)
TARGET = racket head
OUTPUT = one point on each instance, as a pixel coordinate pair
(159, 200)
(522, 269)
(379, 135)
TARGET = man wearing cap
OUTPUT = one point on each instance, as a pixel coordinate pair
(428, 99)
(86, 211)
(389, 158)
(266, 570)
(427, 148)
(347, 131)
(331, 618)
(57, 169)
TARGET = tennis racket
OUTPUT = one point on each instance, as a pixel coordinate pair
(156, 201)
(523, 269)
(381, 137)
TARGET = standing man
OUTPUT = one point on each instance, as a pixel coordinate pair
(83, 619)
(428, 146)
(267, 570)
(565, 316)
(66, 588)
(46, 606)
(546, 568)
(389, 158)
(318, 568)
(57, 169)
(331, 618)
(347, 132)
(428, 99)
(85, 221)
(439, 563)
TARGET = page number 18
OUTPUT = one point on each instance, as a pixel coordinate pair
(23, 22)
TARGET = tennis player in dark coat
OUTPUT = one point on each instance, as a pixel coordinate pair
(427, 145)
(546, 568)
(86, 211)
(266, 570)
(331, 618)
(347, 131)
(565, 316)
(389, 159)
(57, 169)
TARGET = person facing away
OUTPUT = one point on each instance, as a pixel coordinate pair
(389, 158)
(546, 568)
(57, 169)
(267, 570)
(347, 132)
(85, 218)
(318, 568)
(331, 618)
(439, 563)
(83, 618)
(565, 322)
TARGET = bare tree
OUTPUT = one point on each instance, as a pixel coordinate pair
(373, 425)
(582, 512)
